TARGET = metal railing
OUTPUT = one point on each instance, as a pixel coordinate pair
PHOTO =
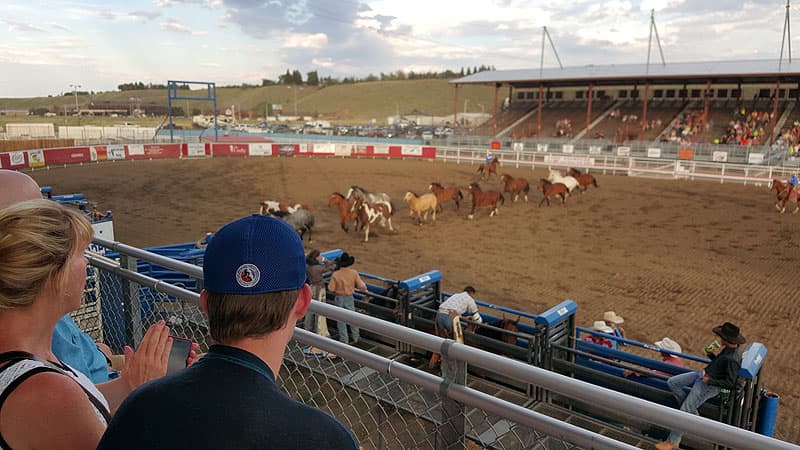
(381, 395)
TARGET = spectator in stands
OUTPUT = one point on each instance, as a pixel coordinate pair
(45, 402)
(615, 322)
(705, 384)
(255, 272)
(666, 345)
(316, 266)
(456, 306)
(77, 349)
(343, 283)
(600, 326)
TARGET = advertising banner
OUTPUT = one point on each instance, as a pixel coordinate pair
(755, 158)
(344, 149)
(685, 153)
(653, 152)
(567, 148)
(570, 161)
(324, 149)
(135, 150)
(541, 148)
(412, 150)
(17, 159)
(162, 150)
(623, 151)
(429, 152)
(361, 150)
(229, 149)
(117, 151)
(94, 155)
(260, 149)
(283, 149)
(719, 156)
(35, 158)
(195, 149)
(595, 149)
(518, 146)
(380, 150)
(67, 155)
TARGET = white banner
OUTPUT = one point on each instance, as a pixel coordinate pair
(755, 158)
(117, 151)
(324, 148)
(92, 154)
(595, 149)
(541, 147)
(381, 150)
(17, 158)
(135, 149)
(653, 152)
(199, 149)
(414, 150)
(260, 149)
(344, 149)
(579, 161)
(518, 146)
(623, 151)
(36, 158)
(719, 156)
(567, 148)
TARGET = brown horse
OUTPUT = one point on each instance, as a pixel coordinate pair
(515, 186)
(788, 194)
(487, 198)
(490, 331)
(778, 186)
(551, 189)
(584, 179)
(346, 211)
(444, 194)
(489, 168)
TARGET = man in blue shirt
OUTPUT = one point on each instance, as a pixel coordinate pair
(254, 273)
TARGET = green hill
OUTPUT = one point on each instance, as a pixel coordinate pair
(348, 103)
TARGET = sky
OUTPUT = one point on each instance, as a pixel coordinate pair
(47, 46)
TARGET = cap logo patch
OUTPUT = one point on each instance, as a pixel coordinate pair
(247, 275)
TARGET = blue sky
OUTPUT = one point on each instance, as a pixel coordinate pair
(47, 45)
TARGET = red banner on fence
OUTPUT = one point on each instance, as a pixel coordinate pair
(67, 155)
(685, 153)
(285, 149)
(147, 151)
(14, 160)
(395, 151)
(230, 149)
(429, 152)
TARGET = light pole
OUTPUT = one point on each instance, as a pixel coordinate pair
(75, 91)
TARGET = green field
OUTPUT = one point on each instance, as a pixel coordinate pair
(344, 103)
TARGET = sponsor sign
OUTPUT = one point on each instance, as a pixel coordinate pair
(382, 150)
(719, 156)
(495, 145)
(162, 150)
(35, 158)
(559, 160)
(595, 149)
(755, 158)
(196, 149)
(518, 146)
(685, 153)
(260, 149)
(623, 151)
(286, 149)
(327, 149)
(541, 148)
(567, 148)
(67, 155)
(653, 152)
(93, 154)
(413, 150)
(17, 158)
(136, 149)
(117, 151)
(345, 149)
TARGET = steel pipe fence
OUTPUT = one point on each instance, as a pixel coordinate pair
(384, 396)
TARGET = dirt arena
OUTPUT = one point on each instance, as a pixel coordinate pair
(674, 257)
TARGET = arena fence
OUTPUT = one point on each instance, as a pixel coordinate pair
(382, 394)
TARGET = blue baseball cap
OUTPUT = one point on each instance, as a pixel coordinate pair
(254, 255)
(793, 180)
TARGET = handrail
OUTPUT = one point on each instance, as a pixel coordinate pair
(180, 266)
(640, 345)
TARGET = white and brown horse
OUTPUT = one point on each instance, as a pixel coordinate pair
(273, 206)
(356, 192)
(554, 176)
(370, 213)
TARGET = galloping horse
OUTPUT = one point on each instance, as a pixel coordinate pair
(346, 212)
(584, 179)
(273, 206)
(444, 194)
(550, 189)
(515, 186)
(356, 192)
(789, 194)
(489, 168)
(301, 220)
(421, 204)
(554, 176)
(481, 199)
(369, 213)
(778, 185)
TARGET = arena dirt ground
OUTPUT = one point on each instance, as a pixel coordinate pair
(674, 257)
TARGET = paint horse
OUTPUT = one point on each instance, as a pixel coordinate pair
(273, 206)
(370, 213)
(489, 168)
(584, 179)
(444, 194)
(482, 199)
(356, 192)
(515, 186)
(421, 204)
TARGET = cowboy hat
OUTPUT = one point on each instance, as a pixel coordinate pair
(346, 260)
(729, 332)
(599, 325)
(611, 316)
(668, 344)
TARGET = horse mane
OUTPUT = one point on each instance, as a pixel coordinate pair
(338, 194)
(433, 183)
(475, 186)
(577, 172)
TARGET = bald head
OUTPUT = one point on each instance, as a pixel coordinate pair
(17, 187)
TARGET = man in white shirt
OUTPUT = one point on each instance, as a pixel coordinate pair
(457, 305)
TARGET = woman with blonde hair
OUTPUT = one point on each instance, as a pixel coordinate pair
(44, 403)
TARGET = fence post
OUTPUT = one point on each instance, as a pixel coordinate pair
(452, 430)
(131, 303)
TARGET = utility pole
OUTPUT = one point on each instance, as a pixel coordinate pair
(75, 91)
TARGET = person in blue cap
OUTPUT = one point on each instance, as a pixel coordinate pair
(789, 194)
(254, 276)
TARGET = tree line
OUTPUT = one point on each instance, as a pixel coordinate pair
(295, 77)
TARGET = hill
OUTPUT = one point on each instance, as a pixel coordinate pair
(350, 103)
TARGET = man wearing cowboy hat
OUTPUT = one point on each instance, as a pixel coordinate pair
(343, 282)
(720, 374)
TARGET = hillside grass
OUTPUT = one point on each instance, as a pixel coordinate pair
(344, 103)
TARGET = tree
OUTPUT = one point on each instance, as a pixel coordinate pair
(312, 78)
(297, 77)
(178, 111)
(196, 111)
(469, 71)
(38, 111)
(462, 71)
(267, 82)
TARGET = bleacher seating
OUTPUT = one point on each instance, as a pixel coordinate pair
(560, 113)
(505, 118)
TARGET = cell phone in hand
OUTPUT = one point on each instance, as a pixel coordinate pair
(179, 354)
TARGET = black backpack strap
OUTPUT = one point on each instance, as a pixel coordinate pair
(14, 356)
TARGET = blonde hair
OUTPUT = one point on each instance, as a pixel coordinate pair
(37, 238)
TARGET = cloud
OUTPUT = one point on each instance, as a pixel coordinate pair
(175, 26)
(60, 27)
(293, 40)
(145, 15)
(210, 65)
(14, 25)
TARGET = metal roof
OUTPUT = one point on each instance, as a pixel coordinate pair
(701, 71)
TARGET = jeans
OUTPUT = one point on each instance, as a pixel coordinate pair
(347, 302)
(698, 395)
(444, 321)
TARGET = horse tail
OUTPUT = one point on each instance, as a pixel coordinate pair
(594, 182)
(502, 199)
(460, 195)
(480, 168)
(392, 208)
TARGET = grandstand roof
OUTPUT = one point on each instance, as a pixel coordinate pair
(750, 71)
